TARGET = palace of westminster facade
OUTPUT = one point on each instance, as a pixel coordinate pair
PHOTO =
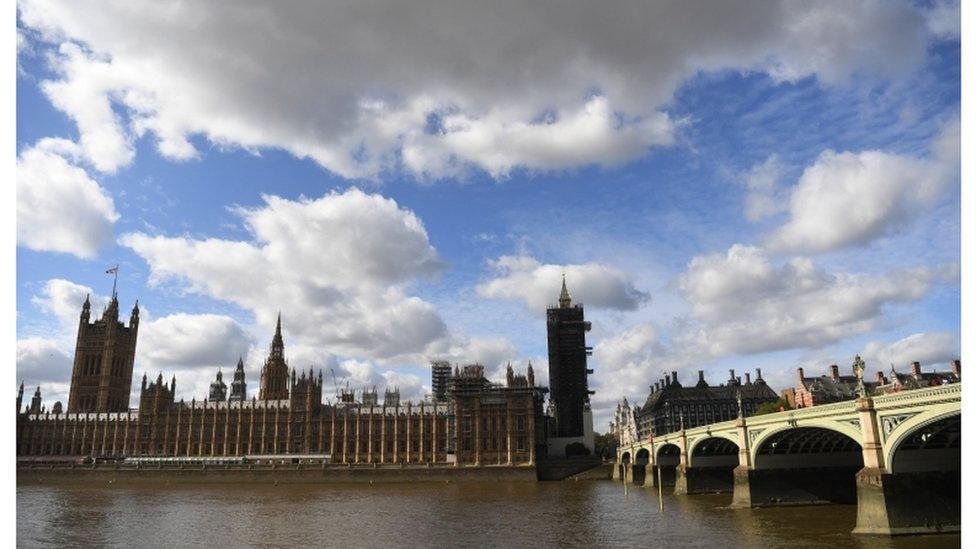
(468, 420)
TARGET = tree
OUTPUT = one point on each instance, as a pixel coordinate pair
(605, 445)
(577, 449)
(777, 405)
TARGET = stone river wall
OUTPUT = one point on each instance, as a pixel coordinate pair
(242, 474)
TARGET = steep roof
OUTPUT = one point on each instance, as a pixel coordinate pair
(657, 399)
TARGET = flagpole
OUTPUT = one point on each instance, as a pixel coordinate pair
(115, 271)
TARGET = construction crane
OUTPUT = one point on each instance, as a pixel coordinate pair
(335, 383)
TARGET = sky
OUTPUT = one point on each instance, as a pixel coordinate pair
(766, 185)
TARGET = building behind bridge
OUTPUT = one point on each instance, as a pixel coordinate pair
(671, 406)
(835, 387)
(471, 422)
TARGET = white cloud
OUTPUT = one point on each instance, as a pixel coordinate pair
(337, 268)
(743, 303)
(363, 375)
(850, 198)
(41, 360)
(766, 196)
(64, 299)
(625, 364)
(84, 94)
(944, 19)
(59, 207)
(628, 349)
(929, 348)
(594, 134)
(537, 285)
(183, 341)
(434, 87)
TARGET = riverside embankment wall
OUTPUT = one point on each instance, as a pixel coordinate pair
(280, 474)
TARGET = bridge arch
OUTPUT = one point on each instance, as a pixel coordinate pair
(714, 451)
(845, 429)
(936, 433)
(667, 451)
(667, 459)
(806, 465)
(642, 457)
(625, 457)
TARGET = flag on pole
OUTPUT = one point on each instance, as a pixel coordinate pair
(114, 271)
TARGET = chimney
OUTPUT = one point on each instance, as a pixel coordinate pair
(655, 387)
(701, 376)
(916, 369)
(748, 380)
(799, 376)
(834, 372)
(758, 374)
(674, 377)
(956, 366)
(880, 378)
(731, 376)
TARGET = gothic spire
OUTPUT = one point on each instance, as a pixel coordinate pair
(278, 344)
(564, 299)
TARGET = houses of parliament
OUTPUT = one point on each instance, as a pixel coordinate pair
(467, 421)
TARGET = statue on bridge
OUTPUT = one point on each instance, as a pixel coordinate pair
(859, 372)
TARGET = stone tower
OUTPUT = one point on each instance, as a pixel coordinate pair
(218, 389)
(440, 377)
(306, 391)
(101, 377)
(35, 405)
(274, 374)
(238, 387)
(569, 393)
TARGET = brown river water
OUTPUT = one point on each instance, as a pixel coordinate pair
(551, 514)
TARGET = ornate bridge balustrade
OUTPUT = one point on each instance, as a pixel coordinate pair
(897, 456)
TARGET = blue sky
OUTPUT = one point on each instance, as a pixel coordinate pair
(718, 197)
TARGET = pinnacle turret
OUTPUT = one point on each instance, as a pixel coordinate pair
(564, 299)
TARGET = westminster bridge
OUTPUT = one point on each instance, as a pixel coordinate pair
(897, 456)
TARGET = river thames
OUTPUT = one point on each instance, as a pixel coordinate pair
(578, 514)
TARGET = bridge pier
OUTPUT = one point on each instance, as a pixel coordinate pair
(924, 502)
(617, 467)
(703, 480)
(785, 487)
(650, 476)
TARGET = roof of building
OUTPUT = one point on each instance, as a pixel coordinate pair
(656, 399)
(924, 379)
(843, 387)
